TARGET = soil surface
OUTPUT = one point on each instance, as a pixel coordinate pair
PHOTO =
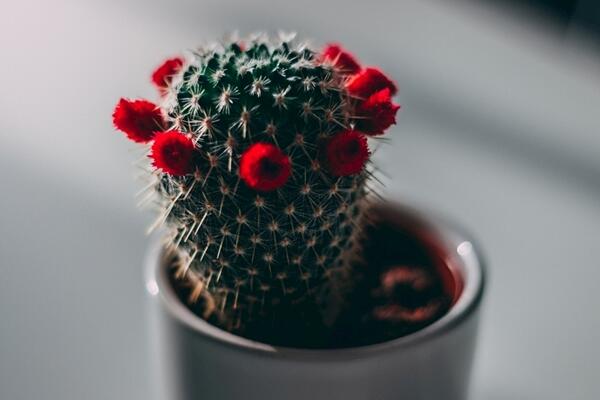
(403, 285)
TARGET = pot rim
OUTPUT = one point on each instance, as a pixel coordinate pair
(459, 245)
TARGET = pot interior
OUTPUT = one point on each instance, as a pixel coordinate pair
(410, 277)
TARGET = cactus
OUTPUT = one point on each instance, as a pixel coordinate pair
(259, 149)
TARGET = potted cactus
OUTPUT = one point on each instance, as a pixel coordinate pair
(277, 271)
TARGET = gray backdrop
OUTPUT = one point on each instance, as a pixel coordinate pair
(499, 130)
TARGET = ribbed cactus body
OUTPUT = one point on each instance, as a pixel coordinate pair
(260, 152)
(252, 246)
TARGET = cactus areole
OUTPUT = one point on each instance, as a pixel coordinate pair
(259, 163)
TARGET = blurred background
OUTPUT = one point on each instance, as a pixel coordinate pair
(499, 130)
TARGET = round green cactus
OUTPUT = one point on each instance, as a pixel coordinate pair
(261, 163)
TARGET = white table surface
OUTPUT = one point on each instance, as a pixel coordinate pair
(500, 130)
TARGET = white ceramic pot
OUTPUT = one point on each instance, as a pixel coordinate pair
(195, 360)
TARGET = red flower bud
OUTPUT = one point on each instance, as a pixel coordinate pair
(138, 119)
(173, 152)
(265, 167)
(347, 153)
(377, 113)
(162, 76)
(369, 81)
(341, 59)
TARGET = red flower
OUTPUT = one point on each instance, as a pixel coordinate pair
(347, 153)
(173, 152)
(341, 59)
(138, 119)
(265, 167)
(369, 81)
(163, 75)
(377, 113)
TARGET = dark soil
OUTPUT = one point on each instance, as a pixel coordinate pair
(403, 285)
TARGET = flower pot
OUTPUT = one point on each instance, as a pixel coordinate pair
(196, 360)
